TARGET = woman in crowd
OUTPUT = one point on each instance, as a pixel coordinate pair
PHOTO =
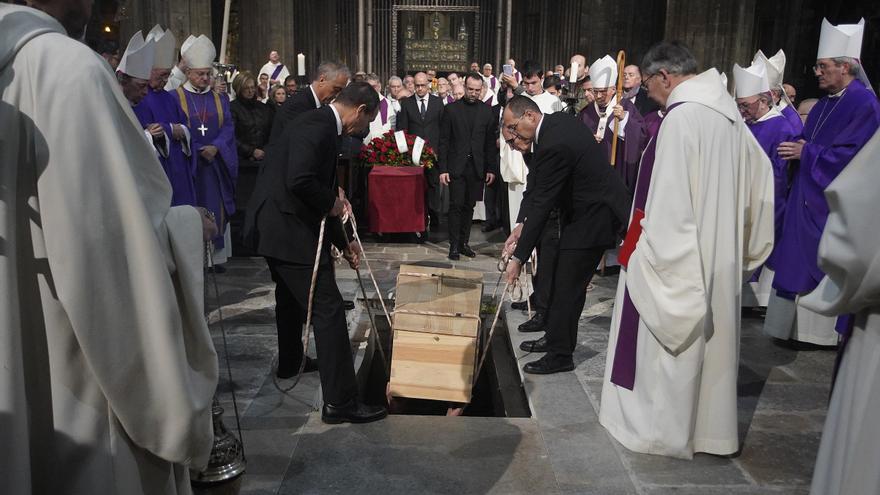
(278, 96)
(253, 120)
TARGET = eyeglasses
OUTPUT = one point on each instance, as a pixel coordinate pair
(512, 127)
(645, 80)
(747, 104)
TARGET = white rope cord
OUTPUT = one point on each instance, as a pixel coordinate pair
(308, 325)
(509, 292)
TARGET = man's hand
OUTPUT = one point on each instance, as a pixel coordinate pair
(208, 152)
(352, 254)
(510, 243)
(258, 154)
(618, 112)
(338, 208)
(509, 81)
(444, 179)
(177, 132)
(513, 269)
(209, 226)
(155, 130)
(791, 150)
(490, 178)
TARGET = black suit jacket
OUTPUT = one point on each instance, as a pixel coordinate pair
(409, 119)
(296, 188)
(457, 148)
(301, 101)
(572, 173)
(644, 104)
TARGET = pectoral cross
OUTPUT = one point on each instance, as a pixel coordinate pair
(202, 129)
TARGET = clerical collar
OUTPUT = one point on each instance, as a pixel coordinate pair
(189, 87)
(315, 96)
(838, 94)
(338, 120)
(772, 113)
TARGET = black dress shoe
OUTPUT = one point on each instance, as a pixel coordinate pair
(539, 345)
(217, 269)
(549, 364)
(352, 411)
(488, 227)
(285, 370)
(536, 324)
(467, 251)
(454, 253)
(521, 305)
(348, 305)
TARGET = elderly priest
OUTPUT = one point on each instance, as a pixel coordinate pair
(770, 127)
(107, 368)
(702, 218)
(835, 130)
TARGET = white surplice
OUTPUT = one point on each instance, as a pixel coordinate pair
(269, 69)
(849, 453)
(107, 369)
(709, 221)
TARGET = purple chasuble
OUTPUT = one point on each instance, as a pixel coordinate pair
(160, 107)
(383, 110)
(652, 123)
(835, 131)
(793, 118)
(623, 369)
(214, 180)
(769, 133)
(629, 149)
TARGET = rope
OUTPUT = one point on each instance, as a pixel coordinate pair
(305, 330)
(209, 248)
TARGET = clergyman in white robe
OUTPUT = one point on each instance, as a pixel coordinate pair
(107, 369)
(849, 454)
(709, 222)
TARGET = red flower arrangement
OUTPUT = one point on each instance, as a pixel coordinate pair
(383, 151)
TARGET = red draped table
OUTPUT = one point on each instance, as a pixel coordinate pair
(397, 199)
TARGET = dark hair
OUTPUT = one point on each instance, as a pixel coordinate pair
(553, 81)
(518, 105)
(288, 79)
(359, 93)
(102, 46)
(475, 76)
(532, 69)
(673, 56)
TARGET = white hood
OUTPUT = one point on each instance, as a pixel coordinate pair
(706, 89)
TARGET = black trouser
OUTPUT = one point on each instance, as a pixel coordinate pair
(461, 207)
(574, 270)
(335, 362)
(548, 252)
(492, 201)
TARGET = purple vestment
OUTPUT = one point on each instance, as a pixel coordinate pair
(793, 118)
(652, 123)
(160, 107)
(214, 180)
(769, 133)
(835, 131)
(623, 369)
(629, 149)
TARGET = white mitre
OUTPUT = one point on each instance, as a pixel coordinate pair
(775, 66)
(165, 47)
(750, 81)
(137, 61)
(603, 72)
(199, 54)
(843, 40)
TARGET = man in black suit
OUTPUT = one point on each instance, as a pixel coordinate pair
(298, 188)
(330, 80)
(573, 176)
(632, 89)
(420, 115)
(468, 158)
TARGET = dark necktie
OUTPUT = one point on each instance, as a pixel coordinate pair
(422, 110)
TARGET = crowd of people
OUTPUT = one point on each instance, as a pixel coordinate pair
(706, 201)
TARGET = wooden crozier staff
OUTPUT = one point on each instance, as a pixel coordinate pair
(621, 60)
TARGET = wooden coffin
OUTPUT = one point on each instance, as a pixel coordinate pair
(436, 332)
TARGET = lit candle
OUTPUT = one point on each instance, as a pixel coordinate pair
(300, 65)
(573, 75)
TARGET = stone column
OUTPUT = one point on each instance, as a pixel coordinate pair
(719, 32)
(183, 17)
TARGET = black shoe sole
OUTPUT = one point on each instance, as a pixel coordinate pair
(530, 329)
(454, 257)
(549, 371)
(339, 421)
